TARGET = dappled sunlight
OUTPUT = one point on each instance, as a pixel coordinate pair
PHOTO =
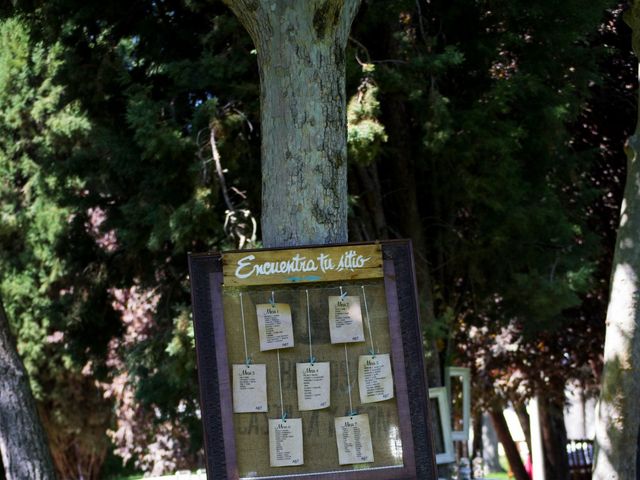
(621, 315)
(618, 410)
(395, 442)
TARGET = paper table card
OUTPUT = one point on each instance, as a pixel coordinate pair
(354, 439)
(345, 319)
(314, 385)
(249, 388)
(375, 378)
(285, 442)
(274, 326)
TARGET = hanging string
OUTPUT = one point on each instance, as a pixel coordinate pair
(366, 311)
(244, 333)
(282, 414)
(312, 359)
(346, 357)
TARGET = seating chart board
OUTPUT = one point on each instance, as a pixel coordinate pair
(310, 363)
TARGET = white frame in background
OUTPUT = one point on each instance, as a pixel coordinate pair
(444, 417)
(465, 376)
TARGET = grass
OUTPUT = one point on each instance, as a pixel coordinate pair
(497, 476)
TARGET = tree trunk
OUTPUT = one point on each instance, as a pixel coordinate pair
(301, 59)
(554, 440)
(402, 173)
(490, 442)
(477, 449)
(23, 443)
(618, 412)
(523, 418)
(638, 453)
(510, 448)
(370, 222)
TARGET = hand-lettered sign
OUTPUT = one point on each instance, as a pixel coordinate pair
(321, 264)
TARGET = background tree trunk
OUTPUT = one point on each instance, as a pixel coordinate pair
(618, 412)
(23, 443)
(371, 223)
(477, 449)
(402, 174)
(490, 452)
(554, 439)
(510, 448)
(523, 418)
(301, 59)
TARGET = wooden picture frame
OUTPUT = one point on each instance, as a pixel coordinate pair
(443, 442)
(464, 376)
(397, 280)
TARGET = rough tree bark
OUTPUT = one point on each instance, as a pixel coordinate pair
(23, 443)
(618, 412)
(301, 59)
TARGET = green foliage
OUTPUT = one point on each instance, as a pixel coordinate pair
(491, 91)
(365, 133)
(37, 128)
(105, 187)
